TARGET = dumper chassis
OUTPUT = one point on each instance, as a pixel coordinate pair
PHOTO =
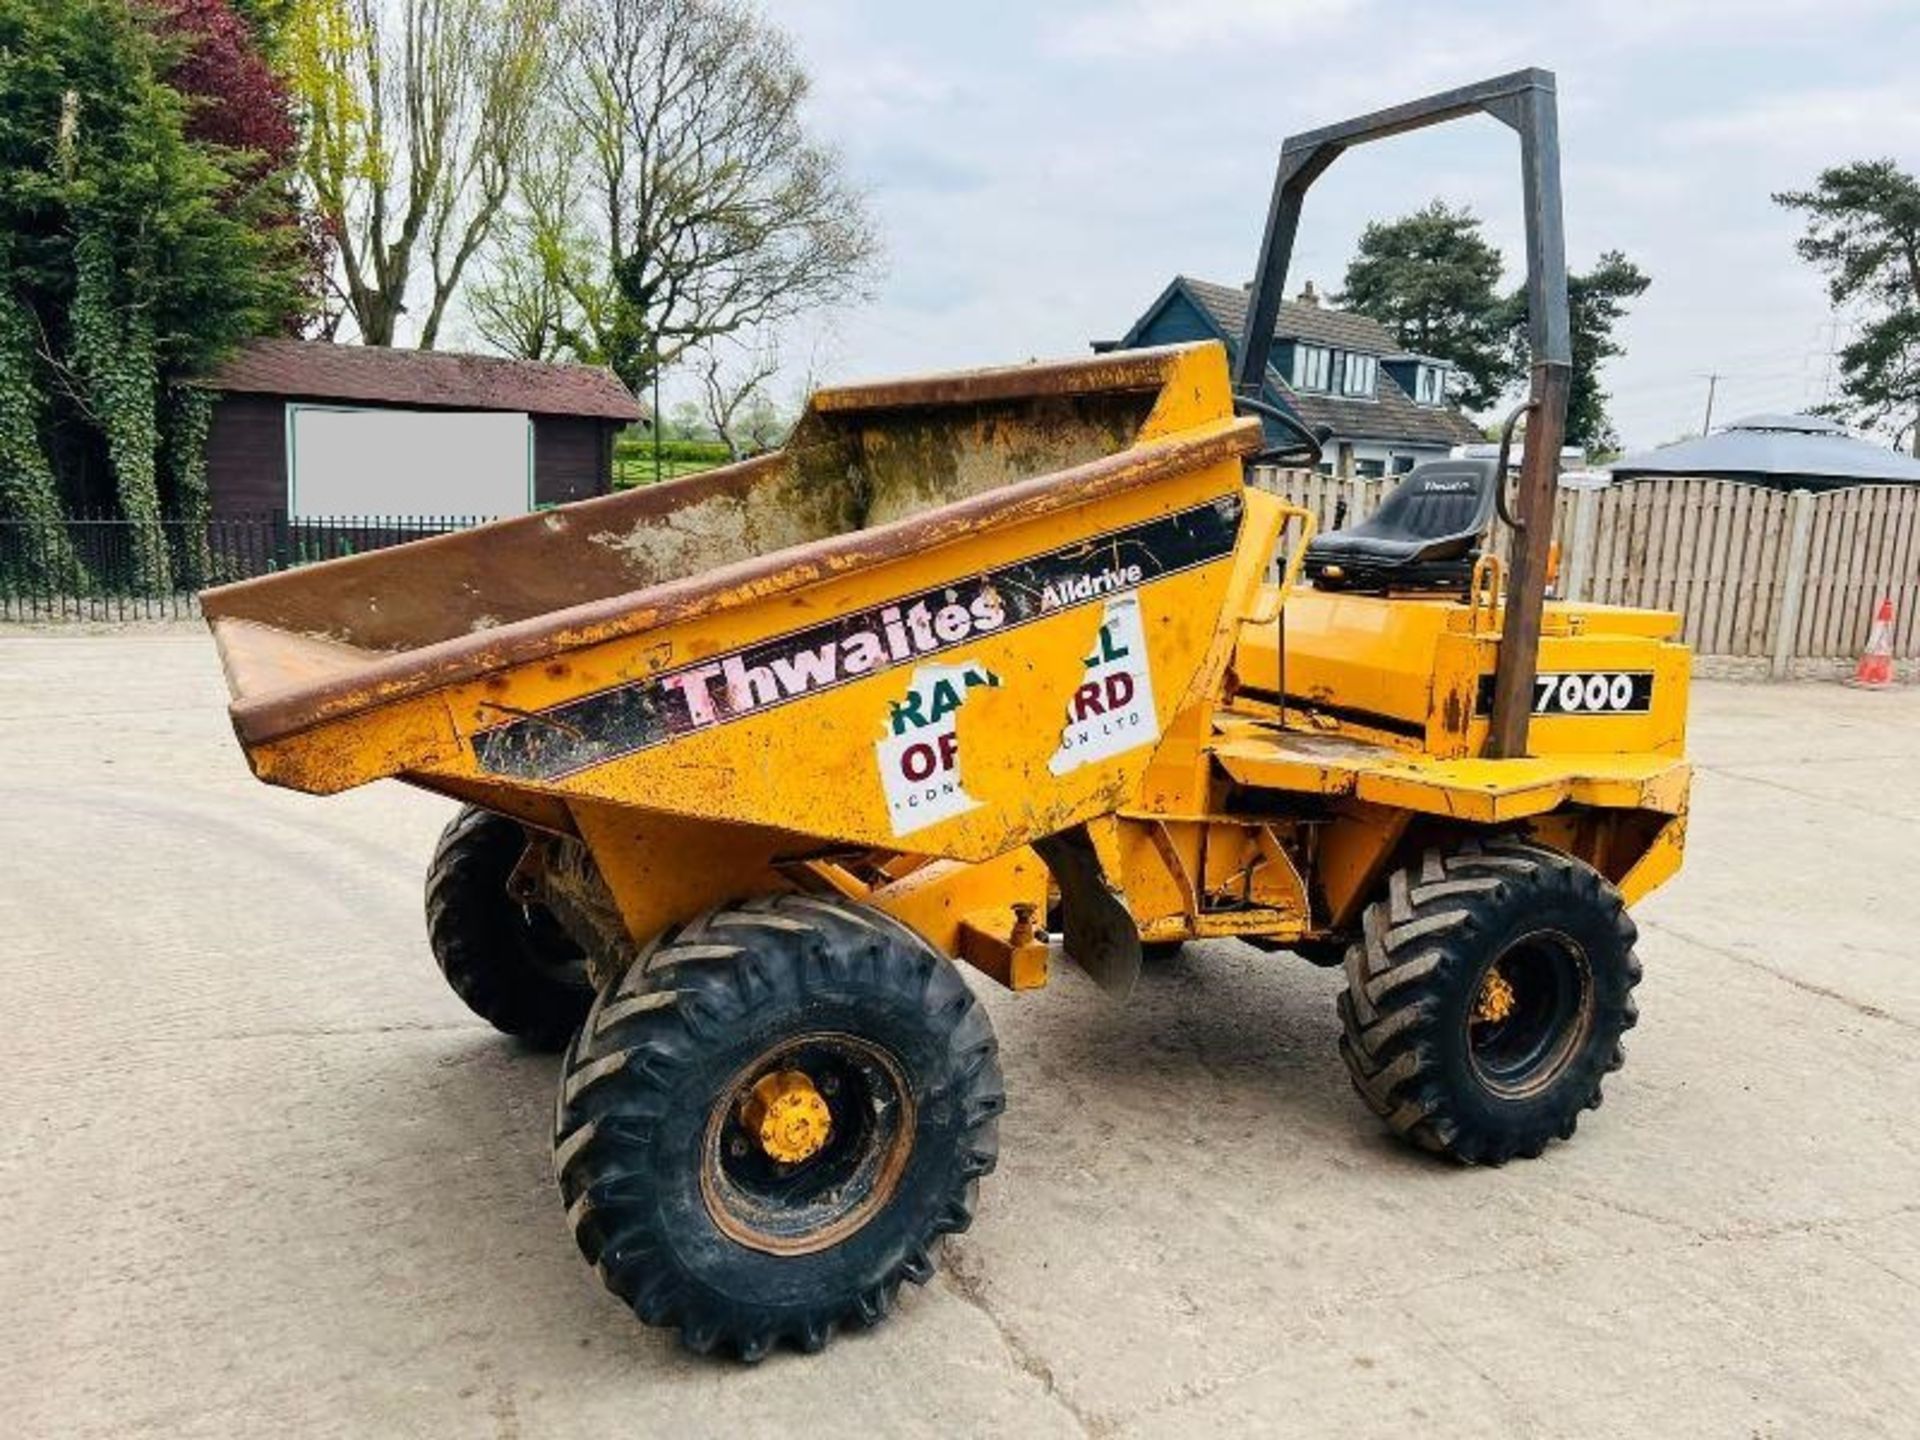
(986, 670)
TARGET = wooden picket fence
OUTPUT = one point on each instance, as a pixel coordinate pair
(1781, 581)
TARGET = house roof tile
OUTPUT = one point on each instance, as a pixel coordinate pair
(1316, 323)
(1390, 415)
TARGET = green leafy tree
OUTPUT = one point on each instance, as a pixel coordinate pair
(1596, 302)
(133, 252)
(1863, 230)
(268, 21)
(1434, 281)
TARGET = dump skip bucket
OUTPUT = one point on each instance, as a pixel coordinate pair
(952, 615)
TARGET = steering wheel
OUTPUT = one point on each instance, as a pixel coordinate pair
(1304, 450)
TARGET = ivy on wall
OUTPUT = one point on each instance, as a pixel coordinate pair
(188, 417)
(28, 488)
(112, 350)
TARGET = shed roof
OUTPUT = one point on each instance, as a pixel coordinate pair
(1800, 449)
(438, 379)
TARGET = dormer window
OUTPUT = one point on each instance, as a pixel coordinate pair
(1325, 371)
(1430, 385)
(1357, 379)
(1312, 368)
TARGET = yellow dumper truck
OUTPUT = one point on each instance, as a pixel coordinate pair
(979, 670)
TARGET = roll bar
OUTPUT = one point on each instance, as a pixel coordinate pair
(1524, 101)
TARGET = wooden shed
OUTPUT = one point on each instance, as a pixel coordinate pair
(311, 430)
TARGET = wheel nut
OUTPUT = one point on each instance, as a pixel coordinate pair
(737, 1148)
(829, 1084)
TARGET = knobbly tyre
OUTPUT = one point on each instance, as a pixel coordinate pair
(751, 762)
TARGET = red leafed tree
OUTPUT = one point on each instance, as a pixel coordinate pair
(240, 102)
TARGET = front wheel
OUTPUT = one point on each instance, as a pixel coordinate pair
(1487, 999)
(768, 1121)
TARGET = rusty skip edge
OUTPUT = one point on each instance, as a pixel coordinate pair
(1144, 369)
(392, 677)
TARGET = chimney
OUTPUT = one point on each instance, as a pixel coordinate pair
(1308, 295)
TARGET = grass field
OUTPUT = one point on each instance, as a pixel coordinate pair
(634, 464)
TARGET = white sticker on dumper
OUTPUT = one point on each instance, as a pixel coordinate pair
(920, 750)
(1112, 709)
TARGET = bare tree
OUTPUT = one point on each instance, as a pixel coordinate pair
(730, 386)
(701, 207)
(414, 112)
(764, 426)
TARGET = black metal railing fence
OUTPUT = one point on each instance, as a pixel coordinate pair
(105, 567)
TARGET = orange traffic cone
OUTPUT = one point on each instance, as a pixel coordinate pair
(1875, 670)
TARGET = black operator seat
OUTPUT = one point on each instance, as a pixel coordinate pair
(1425, 535)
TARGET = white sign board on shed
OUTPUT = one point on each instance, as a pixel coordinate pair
(362, 464)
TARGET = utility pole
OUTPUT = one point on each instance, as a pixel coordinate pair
(1706, 425)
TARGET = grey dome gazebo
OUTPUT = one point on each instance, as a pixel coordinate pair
(1787, 452)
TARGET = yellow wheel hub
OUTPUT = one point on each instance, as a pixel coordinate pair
(1496, 999)
(789, 1116)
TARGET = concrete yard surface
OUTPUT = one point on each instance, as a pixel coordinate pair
(261, 1174)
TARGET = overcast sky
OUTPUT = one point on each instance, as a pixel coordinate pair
(1040, 171)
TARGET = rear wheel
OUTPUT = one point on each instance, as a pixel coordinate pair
(512, 963)
(1487, 999)
(766, 1124)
